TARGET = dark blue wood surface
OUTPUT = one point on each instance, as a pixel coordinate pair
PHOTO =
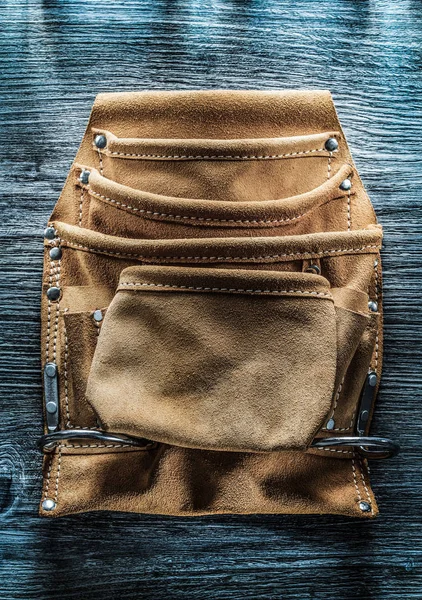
(56, 55)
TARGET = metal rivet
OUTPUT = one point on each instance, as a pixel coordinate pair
(373, 306)
(372, 379)
(55, 253)
(331, 144)
(346, 185)
(330, 425)
(84, 176)
(53, 293)
(363, 417)
(50, 233)
(100, 141)
(50, 369)
(313, 269)
(51, 407)
(365, 506)
(48, 504)
(98, 316)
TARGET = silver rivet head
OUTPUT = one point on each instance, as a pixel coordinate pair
(100, 141)
(330, 424)
(48, 504)
(53, 293)
(373, 306)
(50, 369)
(365, 506)
(331, 144)
(372, 379)
(51, 407)
(346, 185)
(84, 176)
(50, 233)
(55, 253)
(98, 316)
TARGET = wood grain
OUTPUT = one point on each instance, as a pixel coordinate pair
(55, 57)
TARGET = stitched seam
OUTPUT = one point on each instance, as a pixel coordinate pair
(213, 156)
(355, 481)
(47, 485)
(329, 165)
(376, 266)
(66, 381)
(214, 258)
(337, 397)
(96, 445)
(56, 321)
(80, 206)
(128, 207)
(195, 218)
(218, 289)
(333, 450)
(79, 427)
(50, 282)
(101, 161)
(332, 414)
(59, 461)
(334, 410)
(364, 484)
(349, 212)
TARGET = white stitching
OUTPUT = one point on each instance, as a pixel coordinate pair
(128, 207)
(355, 478)
(59, 462)
(101, 161)
(96, 445)
(56, 321)
(214, 258)
(376, 266)
(50, 282)
(331, 450)
(80, 206)
(193, 218)
(334, 410)
(66, 382)
(364, 484)
(329, 165)
(48, 477)
(349, 212)
(217, 289)
(213, 156)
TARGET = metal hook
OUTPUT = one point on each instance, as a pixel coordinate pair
(49, 441)
(368, 447)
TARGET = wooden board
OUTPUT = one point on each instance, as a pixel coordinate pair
(55, 57)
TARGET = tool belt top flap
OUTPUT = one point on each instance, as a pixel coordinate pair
(211, 311)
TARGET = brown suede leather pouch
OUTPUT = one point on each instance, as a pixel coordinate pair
(212, 284)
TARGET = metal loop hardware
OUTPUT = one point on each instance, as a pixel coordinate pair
(368, 447)
(49, 441)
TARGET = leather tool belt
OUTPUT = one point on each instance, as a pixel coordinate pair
(211, 311)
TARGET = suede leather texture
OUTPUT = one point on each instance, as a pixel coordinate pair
(197, 235)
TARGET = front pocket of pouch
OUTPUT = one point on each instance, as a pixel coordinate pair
(219, 359)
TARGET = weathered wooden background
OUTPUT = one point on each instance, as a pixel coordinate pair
(56, 55)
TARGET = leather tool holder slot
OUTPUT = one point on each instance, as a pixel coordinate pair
(212, 311)
(215, 169)
(123, 211)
